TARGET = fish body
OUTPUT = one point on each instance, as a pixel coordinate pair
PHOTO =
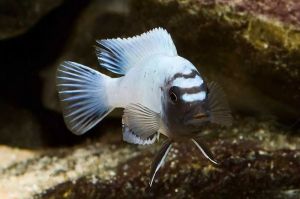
(144, 84)
(161, 93)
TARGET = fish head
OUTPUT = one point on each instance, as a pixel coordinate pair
(190, 103)
(185, 109)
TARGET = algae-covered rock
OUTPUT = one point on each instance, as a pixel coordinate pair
(16, 17)
(251, 48)
(253, 163)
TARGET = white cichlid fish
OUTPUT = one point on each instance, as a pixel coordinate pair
(161, 93)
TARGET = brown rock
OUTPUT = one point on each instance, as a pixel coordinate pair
(19, 127)
(256, 160)
(16, 17)
(250, 48)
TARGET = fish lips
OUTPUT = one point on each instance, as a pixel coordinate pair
(197, 119)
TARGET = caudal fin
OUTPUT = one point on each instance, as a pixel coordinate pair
(82, 95)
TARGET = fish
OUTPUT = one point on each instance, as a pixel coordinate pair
(160, 92)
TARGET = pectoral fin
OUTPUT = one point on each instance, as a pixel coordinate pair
(205, 150)
(130, 137)
(159, 159)
(218, 105)
(141, 120)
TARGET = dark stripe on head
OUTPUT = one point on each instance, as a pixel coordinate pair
(191, 75)
(191, 90)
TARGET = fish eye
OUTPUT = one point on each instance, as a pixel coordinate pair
(173, 95)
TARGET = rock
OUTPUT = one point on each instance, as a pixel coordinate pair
(257, 157)
(9, 157)
(23, 128)
(16, 17)
(19, 127)
(251, 49)
(94, 23)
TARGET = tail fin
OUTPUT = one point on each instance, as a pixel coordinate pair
(83, 96)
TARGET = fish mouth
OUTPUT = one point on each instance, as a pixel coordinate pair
(200, 116)
(197, 119)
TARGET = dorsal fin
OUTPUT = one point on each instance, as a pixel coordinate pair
(119, 55)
